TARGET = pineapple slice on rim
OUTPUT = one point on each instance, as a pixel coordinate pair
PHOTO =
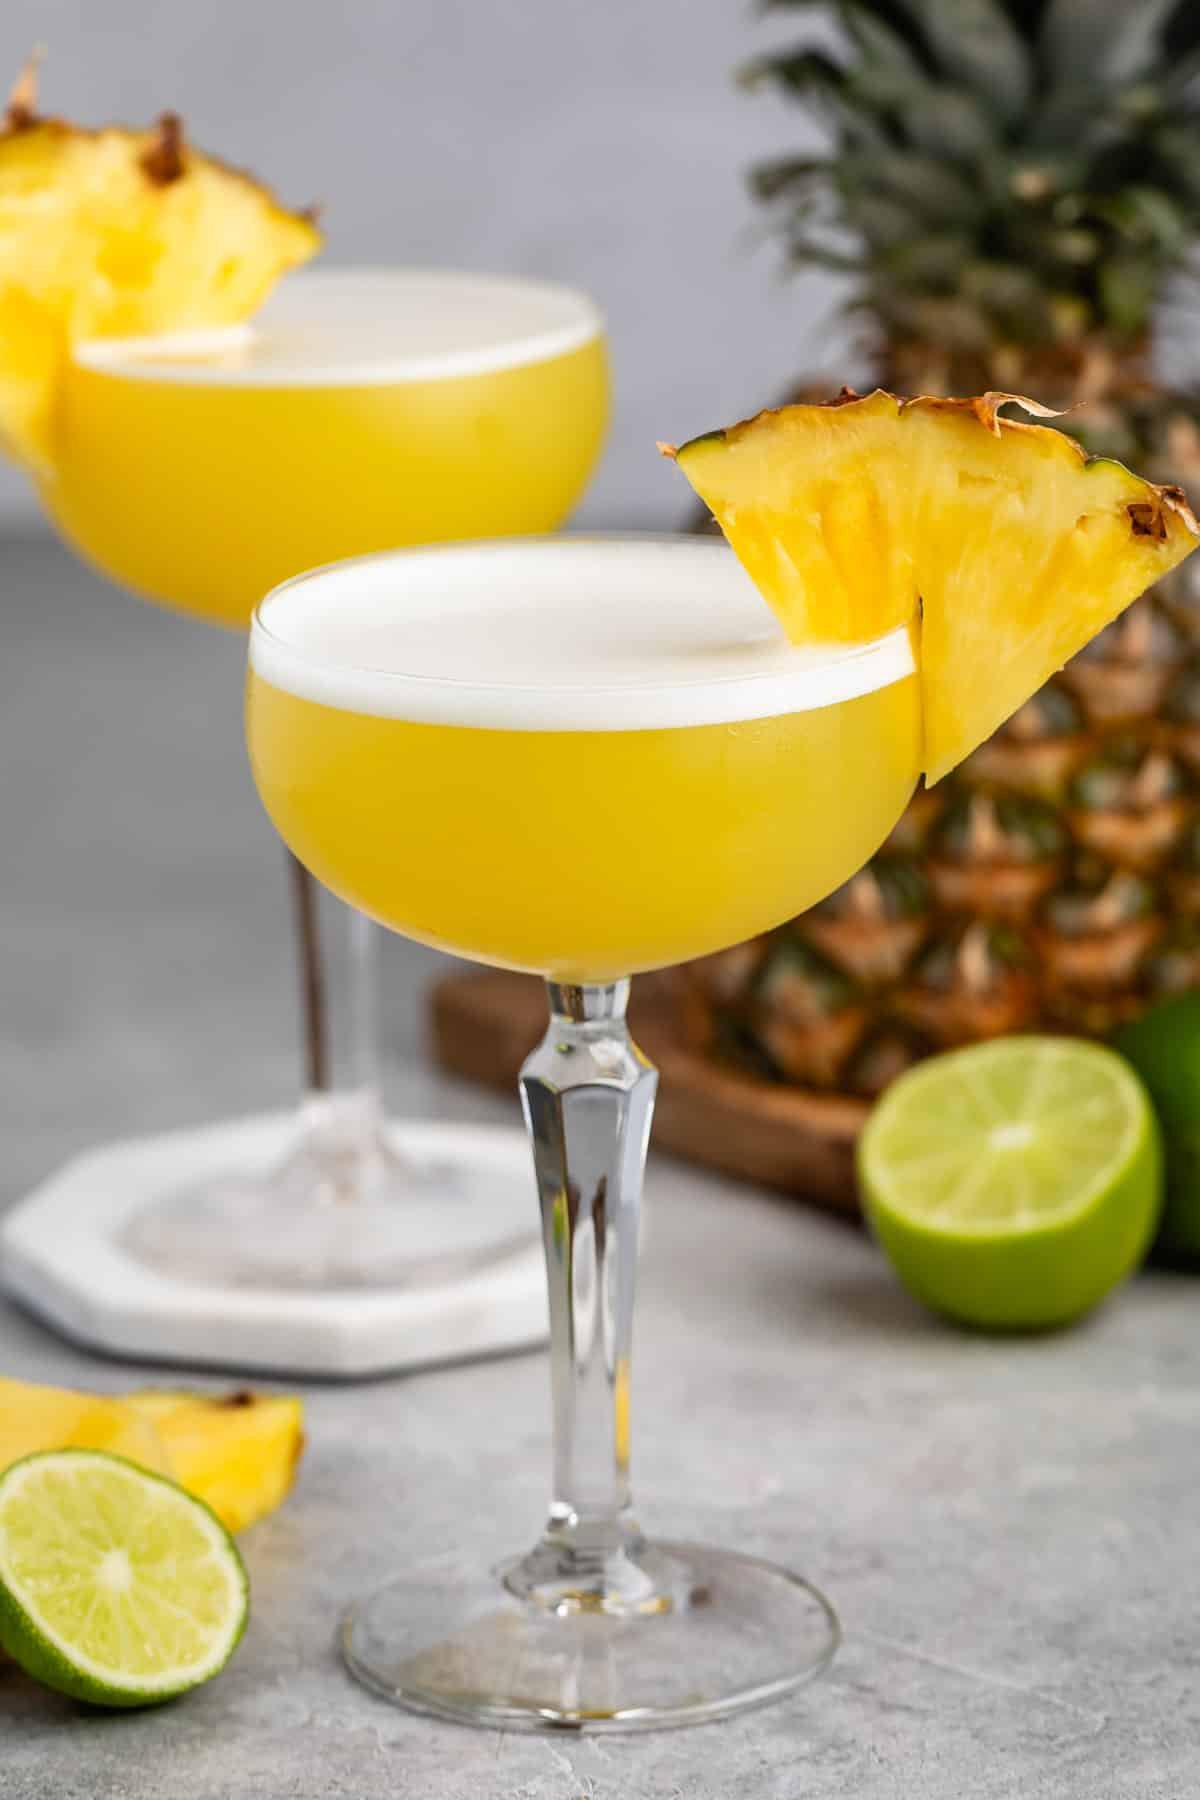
(1009, 545)
(119, 233)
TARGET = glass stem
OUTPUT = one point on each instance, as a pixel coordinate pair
(342, 1113)
(360, 1055)
(314, 1023)
(588, 1097)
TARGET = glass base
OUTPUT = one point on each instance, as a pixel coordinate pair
(343, 1209)
(724, 1632)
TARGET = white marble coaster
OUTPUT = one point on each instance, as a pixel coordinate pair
(62, 1253)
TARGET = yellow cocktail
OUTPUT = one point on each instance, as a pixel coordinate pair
(580, 757)
(363, 409)
(359, 410)
(583, 760)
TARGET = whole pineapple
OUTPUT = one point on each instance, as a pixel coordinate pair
(1013, 185)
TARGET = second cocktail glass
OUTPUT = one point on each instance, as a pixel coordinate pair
(362, 409)
(581, 758)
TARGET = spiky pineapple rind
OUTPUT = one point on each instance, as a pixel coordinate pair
(164, 158)
(985, 409)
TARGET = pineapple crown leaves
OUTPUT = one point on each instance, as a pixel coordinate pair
(1013, 172)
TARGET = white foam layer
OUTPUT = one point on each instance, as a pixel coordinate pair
(359, 327)
(553, 634)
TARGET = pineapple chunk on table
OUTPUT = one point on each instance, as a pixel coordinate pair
(36, 1418)
(238, 1452)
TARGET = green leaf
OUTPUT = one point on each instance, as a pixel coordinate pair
(1086, 121)
(1096, 43)
(815, 77)
(881, 9)
(930, 261)
(976, 43)
(789, 176)
(879, 43)
(1026, 15)
(1183, 30)
(927, 187)
(803, 72)
(1150, 217)
(1128, 289)
(1179, 74)
(813, 253)
(1177, 149)
(882, 220)
(949, 121)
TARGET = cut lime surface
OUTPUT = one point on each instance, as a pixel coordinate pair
(1015, 1183)
(116, 1586)
(1164, 1047)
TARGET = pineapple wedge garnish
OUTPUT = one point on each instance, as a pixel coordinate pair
(1001, 542)
(236, 1451)
(119, 233)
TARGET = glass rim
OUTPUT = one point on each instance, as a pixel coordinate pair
(518, 543)
(150, 357)
(842, 672)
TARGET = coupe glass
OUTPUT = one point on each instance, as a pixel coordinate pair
(583, 758)
(363, 409)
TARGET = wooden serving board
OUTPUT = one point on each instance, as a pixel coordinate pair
(485, 1024)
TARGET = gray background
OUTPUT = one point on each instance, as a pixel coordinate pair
(600, 142)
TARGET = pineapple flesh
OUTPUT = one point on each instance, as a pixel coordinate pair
(34, 1418)
(1001, 541)
(119, 233)
(237, 1452)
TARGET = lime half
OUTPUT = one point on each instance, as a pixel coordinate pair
(116, 1586)
(1014, 1184)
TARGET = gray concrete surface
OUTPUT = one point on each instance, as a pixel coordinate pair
(603, 145)
(1009, 1529)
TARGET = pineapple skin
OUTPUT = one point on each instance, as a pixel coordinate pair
(1077, 929)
